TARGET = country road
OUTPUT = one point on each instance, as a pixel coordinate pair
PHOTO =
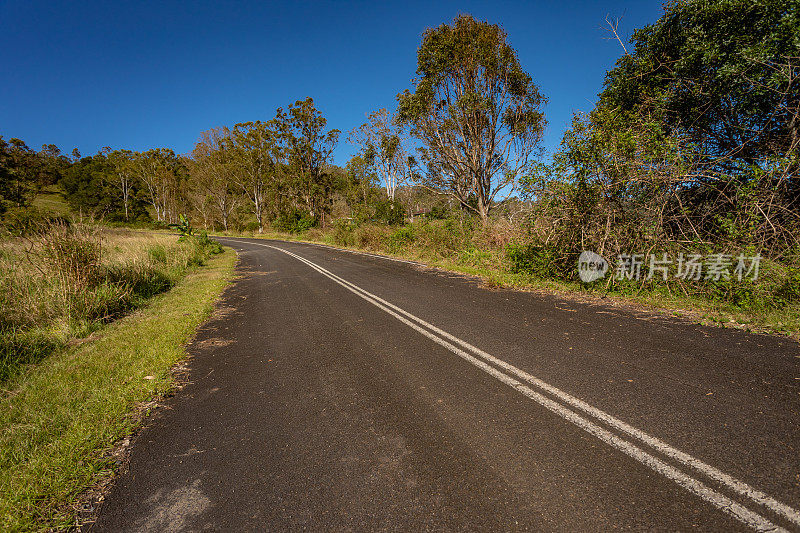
(342, 391)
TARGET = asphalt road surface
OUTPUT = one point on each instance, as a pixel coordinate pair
(343, 391)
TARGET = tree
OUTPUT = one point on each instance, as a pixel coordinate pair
(385, 145)
(90, 188)
(253, 149)
(476, 110)
(212, 170)
(695, 135)
(307, 150)
(87, 187)
(20, 169)
(51, 164)
(361, 179)
(123, 176)
(162, 174)
(722, 72)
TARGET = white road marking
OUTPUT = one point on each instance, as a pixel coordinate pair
(713, 473)
(724, 503)
(367, 254)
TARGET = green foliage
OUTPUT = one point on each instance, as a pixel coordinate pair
(184, 227)
(438, 212)
(307, 149)
(389, 212)
(207, 245)
(90, 188)
(691, 141)
(719, 71)
(344, 233)
(398, 239)
(447, 237)
(294, 221)
(477, 112)
(540, 260)
(23, 172)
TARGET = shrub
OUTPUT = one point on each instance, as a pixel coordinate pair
(294, 222)
(370, 236)
(399, 238)
(444, 237)
(343, 232)
(207, 245)
(390, 212)
(537, 259)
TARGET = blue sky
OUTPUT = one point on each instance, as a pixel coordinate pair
(140, 75)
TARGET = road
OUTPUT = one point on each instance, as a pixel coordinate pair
(341, 391)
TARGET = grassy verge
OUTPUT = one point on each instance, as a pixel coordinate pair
(60, 417)
(484, 254)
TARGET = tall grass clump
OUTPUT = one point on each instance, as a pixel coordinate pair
(62, 281)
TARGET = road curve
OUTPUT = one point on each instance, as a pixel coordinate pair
(343, 391)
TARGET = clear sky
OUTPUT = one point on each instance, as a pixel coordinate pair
(140, 75)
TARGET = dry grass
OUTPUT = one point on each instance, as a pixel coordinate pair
(63, 282)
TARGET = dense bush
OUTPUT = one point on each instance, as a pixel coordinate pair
(391, 213)
(538, 259)
(399, 238)
(294, 222)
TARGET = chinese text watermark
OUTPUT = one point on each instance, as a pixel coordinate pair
(592, 266)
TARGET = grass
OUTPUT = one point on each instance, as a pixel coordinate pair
(51, 200)
(59, 418)
(482, 253)
(63, 282)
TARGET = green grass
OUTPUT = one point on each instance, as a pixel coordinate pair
(51, 200)
(57, 420)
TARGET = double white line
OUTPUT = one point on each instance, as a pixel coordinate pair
(557, 402)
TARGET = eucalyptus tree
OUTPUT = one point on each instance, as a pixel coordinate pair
(478, 113)
(307, 151)
(252, 149)
(162, 174)
(123, 176)
(213, 174)
(362, 180)
(384, 144)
